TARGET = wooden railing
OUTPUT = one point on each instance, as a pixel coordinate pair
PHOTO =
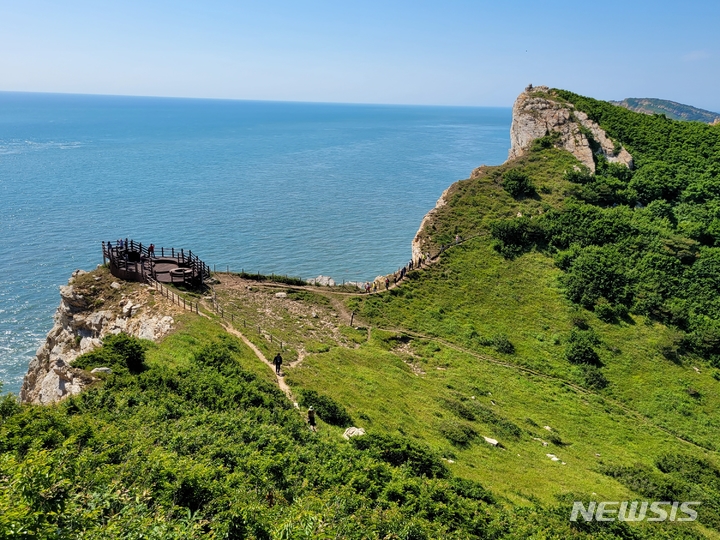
(133, 261)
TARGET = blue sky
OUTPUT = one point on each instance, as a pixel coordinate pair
(422, 52)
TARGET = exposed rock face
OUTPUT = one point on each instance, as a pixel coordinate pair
(79, 329)
(417, 248)
(536, 115)
(322, 280)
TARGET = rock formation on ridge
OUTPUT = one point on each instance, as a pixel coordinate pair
(81, 321)
(537, 113)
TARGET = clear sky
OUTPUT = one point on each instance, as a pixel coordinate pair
(449, 52)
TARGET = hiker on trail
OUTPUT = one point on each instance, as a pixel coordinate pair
(151, 251)
(311, 419)
(410, 265)
(374, 286)
(278, 362)
(457, 239)
(367, 287)
(387, 283)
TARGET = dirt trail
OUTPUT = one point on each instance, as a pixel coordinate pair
(280, 380)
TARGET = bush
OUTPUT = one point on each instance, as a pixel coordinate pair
(517, 184)
(118, 351)
(550, 140)
(516, 235)
(605, 311)
(326, 408)
(458, 433)
(581, 351)
(502, 344)
(399, 451)
(579, 175)
(592, 377)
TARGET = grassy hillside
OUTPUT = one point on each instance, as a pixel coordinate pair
(576, 325)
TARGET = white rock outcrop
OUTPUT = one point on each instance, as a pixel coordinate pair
(536, 114)
(416, 246)
(78, 329)
(325, 281)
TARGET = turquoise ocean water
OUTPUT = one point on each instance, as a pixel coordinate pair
(292, 188)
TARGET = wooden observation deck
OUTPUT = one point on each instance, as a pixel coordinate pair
(133, 261)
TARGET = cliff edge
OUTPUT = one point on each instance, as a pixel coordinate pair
(537, 112)
(92, 305)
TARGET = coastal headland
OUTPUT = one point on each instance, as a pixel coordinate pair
(540, 350)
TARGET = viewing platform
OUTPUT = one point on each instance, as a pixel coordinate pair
(133, 261)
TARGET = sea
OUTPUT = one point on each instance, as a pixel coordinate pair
(299, 189)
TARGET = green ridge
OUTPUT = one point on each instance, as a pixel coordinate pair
(671, 109)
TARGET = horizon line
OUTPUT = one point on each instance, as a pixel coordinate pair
(255, 100)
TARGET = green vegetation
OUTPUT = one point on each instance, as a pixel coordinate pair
(671, 109)
(288, 280)
(567, 350)
(211, 449)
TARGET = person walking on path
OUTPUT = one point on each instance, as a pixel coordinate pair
(151, 251)
(311, 419)
(387, 283)
(278, 362)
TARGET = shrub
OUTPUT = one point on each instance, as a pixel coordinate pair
(399, 451)
(326, 408)
(458, 433)
(517, 184)
(605, 311)
(579, 175)
(502, 344)
(8, 405)
(554, 138)
(581, 351)
(118, 351)
(592, 377)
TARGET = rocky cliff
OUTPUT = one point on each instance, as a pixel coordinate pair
(537, 112)
(92, 305)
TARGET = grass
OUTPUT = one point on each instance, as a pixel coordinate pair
(474, 346)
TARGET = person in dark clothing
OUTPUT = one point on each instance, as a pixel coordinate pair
(278, 362)
(311, 419)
